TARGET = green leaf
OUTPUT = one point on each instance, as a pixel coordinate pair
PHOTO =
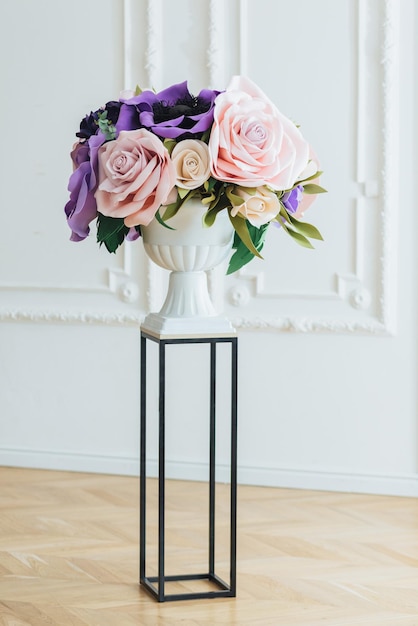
(138, 91)
(210, 183)
(210, 216)
(182, 192)
(169, 144)
(241, 227)
(305, 180)
(243, 255)
(205, 136)
(284, 214)
(305, 229)
(108, 226)
(171, 210)
(161, 221)
(214, 194)
(208, 199)
(106, 126)
(233, 198)
(111, 231)
(300, 239)
(312, 188)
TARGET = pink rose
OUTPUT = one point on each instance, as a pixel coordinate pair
(252, 144)
(259, 207)
(192, 163)
(136, 176)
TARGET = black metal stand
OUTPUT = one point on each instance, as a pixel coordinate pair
(222, 588)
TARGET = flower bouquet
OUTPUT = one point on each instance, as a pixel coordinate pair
(145, 155)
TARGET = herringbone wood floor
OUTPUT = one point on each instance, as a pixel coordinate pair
(69, 555)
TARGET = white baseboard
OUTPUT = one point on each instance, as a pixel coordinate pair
(67, 461)
(290, 478)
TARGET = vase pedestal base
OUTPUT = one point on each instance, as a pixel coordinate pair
(160, 325)
(187, 309)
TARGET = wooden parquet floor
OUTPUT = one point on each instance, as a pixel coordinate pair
(69, 555)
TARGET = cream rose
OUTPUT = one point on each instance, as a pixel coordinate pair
(259, 207)
(192, 162)
(136, 176)
(252, 144)
(310, 170)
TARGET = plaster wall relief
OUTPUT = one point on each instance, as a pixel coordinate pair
(330, 290)
(44, 276)
(348, 283)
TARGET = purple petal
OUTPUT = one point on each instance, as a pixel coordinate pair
(170, 95)
(80, 154)
(146, 118)
(147, 97)
(128, 118)
(132, 234)
(169, 132)
(81, 209)
(291, 199)
(203, 121)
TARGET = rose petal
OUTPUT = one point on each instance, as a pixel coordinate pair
(252, 144)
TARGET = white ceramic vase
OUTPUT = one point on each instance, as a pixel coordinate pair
(188, 251)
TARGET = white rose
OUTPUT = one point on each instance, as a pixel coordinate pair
(258, 208)
(192, 163)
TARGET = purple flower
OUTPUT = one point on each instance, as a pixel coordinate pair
(81, 209)
(172, 113)
(291, 199)
(89, 125)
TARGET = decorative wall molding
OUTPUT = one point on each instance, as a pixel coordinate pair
(120, 282)
(378, 310)
(282, 324)
(243, 44)
(253, 284)
(46, 287)
(70, 317)
(153, 67)
(153, 61)
(390, 171)
(215, 51)
(309, 325)
(128, 36)
(351, 288)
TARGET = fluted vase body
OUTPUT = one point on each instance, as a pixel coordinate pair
(188, 251)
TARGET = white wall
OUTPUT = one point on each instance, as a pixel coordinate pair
(328, 341)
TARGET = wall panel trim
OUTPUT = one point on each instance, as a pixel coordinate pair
(290, 478)
(351, 288)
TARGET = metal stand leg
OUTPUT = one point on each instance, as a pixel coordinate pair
(212, 459)
(223, 589)
(234, 465)
(142, 461)
(161, 476)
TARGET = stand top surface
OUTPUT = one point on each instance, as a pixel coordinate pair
(190, 338)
